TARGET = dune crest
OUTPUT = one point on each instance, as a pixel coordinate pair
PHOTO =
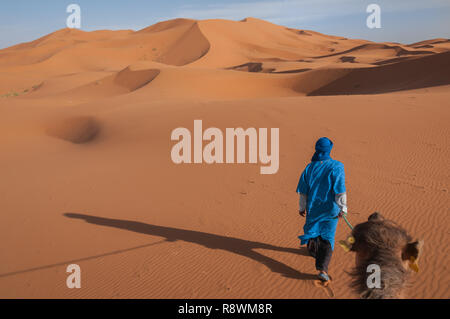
(135, 79)
(192, 46)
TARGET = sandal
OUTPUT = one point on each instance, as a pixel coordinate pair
(323, 277)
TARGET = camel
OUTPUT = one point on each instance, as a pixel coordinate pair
(384, 243)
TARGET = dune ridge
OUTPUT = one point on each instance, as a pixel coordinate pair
(250, 45)
(424, 72)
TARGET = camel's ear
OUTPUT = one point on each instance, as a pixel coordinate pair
(375, 217)
(411, 253)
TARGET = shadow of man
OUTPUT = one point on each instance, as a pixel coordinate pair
(238, 246)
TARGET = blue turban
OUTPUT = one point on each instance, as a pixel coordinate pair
(323, 149)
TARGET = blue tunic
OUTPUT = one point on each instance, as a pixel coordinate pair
(321, 181)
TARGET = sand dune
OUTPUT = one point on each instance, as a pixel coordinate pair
(405, 75)
(86, 175)
(125, 81)
(251, 45)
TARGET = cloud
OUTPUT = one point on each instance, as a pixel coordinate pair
(288, 11)
(260, 9)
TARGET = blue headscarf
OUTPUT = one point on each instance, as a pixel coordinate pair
(323, 149)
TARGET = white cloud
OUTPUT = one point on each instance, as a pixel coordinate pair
(286, 11)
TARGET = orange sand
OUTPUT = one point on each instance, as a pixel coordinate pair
(86, 175)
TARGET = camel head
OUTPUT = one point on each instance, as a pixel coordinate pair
(386, 245)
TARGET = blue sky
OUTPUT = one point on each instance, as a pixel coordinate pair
(403, 21)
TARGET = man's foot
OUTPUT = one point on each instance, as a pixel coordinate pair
(323, 276)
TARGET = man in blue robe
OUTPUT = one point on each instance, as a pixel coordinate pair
(323, 200)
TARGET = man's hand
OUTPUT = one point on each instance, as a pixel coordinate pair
(303, 214)
(342, 214)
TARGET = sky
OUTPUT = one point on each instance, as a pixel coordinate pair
(404, 21)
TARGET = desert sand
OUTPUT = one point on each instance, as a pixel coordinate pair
(86, 175)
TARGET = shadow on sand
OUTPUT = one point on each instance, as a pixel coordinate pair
(241, 247)
(238, 246)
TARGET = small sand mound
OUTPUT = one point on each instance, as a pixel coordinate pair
(302, 32)
(77, 130)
